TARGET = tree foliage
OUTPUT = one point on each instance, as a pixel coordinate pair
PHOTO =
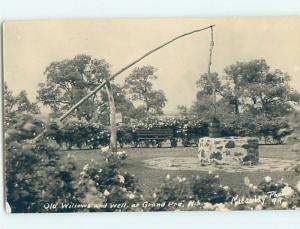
(17, 105)
(35, 173)
(254, 87)
(122, 103)
(140, 87)
(183, 110)
(251, 98)
(67, 81)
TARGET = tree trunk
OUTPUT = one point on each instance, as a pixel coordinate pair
(236, 106)
(146, 103)
(113, 128)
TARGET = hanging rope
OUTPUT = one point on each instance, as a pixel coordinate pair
(211, 81)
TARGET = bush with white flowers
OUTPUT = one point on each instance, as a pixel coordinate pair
(209, 189)
(82, 134)
(35, 175)
(174, 190)
(187, 129)
(207, 193)
(108, 185)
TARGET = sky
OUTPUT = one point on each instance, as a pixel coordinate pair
(30, 46)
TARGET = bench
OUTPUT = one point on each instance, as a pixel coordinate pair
(154, 137)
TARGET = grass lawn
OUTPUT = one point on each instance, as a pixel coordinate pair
(149, 178)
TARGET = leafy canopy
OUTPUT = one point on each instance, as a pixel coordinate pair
(140, 87)
(252, 99)
(67, 81)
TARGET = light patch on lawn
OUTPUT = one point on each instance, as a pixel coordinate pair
(191, 163)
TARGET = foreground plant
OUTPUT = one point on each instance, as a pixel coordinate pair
(35, 175)
(105, 187)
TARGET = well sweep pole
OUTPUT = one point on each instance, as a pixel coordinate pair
(118, 73)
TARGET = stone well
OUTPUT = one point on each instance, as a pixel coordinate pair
(228, 150)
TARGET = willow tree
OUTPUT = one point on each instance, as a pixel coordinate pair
(253, 99)
(68, 80)
(140, 86)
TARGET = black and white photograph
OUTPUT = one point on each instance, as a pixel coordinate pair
(149, 115)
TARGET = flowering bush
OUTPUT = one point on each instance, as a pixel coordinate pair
(200, 193)
(106, 188)
(268, 194)
(206, 193)
(188, 130)
(171, 194)
(125, 135)
(34, 173)
(81, 133)
(209, 189)
(37, 177)
(24, 127)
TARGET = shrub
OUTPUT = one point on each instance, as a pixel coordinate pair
(125, 135)
(105, 185)
(24, 127)
(35, 175)
(175, 193)
(276, 194)
(171, 192)
(189, 130)
(293, 140)
(81, 133)
(207, 193)
(209, 189)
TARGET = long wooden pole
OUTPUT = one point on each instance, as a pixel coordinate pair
(112, 118)
(118, 73)
(212, 83)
